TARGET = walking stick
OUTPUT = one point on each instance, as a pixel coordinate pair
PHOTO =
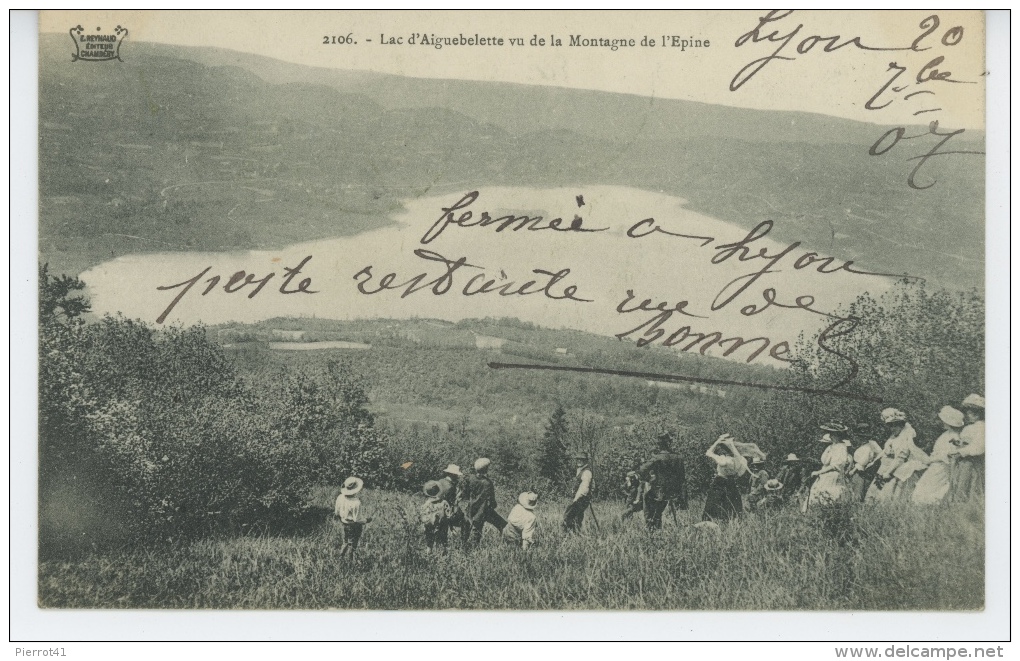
(807, 495)
(672, 509)
(593, 517)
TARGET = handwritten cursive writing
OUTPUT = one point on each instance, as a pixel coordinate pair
(922, 89)
(510, 221)
(913, 83)
(237, 282)
(892, 137)
(806, 44)
(549, 284)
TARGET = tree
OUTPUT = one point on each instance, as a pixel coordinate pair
(154, 430)
(553, 460)
(916, 348)
(55, 300)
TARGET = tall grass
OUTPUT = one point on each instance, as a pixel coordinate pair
(847, 558)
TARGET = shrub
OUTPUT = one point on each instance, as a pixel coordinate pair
(155, 428)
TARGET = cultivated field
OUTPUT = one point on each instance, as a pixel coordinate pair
(852, 558)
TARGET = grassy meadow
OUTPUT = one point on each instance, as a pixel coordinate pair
(845, 558)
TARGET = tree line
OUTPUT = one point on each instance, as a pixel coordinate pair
(161, 434)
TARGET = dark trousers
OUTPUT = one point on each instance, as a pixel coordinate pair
(653, 513)
(352, 535)
(437, 534)
(632, 509)
(574, 516)
(474, 526)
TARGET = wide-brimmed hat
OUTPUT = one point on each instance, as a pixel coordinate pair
(952, 417)
(973, 401)
(773, 485)
(528, 500)
(482, 464)
(757, 461)
(834, 427)
(792, 457)
(891, 415)
(352, 485)
(453, 469)
(431, 488)
(826, 438)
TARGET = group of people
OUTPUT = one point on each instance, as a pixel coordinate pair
(468, 502)
(900, 470)
(896, 471)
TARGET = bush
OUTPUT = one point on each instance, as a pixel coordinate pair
(154, 429)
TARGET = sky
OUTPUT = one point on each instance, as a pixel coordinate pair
(839, 82)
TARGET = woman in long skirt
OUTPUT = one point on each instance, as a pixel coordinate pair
(969, 457)
(933, 487)
(723, 501)
(864, 470)
(830, 485)
(901, 461)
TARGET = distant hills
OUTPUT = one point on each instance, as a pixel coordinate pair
(203, 149)
(429, 370)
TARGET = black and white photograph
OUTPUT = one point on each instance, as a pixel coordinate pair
(513, 311)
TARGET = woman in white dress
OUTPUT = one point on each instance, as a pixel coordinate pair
(901, 461)
(723, 501)
(969, 457)
(933, 487)
(830, 485)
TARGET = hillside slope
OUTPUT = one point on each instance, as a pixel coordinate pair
(199, 149)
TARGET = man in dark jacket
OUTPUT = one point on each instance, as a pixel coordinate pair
(477, 499)
(666, 476)
(791, 475)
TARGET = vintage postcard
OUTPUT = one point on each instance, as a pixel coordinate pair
(415, 311)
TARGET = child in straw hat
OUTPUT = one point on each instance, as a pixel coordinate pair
(348, 510)
(522, 525)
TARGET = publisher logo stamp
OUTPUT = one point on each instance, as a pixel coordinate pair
(98, 46)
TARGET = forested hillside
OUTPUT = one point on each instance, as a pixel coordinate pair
(194, 149)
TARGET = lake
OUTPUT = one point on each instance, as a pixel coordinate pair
(642, 254)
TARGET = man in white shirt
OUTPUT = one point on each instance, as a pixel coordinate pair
(574, 515)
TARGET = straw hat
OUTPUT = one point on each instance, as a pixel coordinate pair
(431, 488)
(893, 415)
(792, 457)
(974, 401)
(453, 469)
(757, 461)
(528, 500)
(482, 464)
(352, 485)
(952, 417)
(835, 427)
(581, 456)
(773, 485)
(826, 438)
